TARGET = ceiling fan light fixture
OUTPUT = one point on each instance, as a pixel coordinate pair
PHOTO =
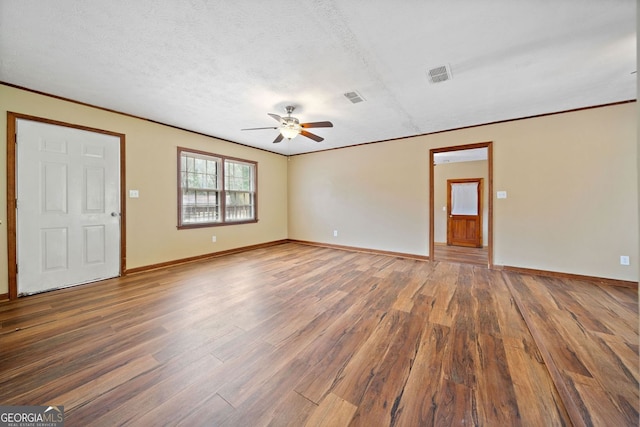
(290, 127)
(290, 130)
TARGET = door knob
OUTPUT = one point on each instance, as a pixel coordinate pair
(115, 214)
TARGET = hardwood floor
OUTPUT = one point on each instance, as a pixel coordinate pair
(588, 336)
(459, 254)
(302, 335)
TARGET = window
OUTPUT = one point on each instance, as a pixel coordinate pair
(239, 189)
(215, 190)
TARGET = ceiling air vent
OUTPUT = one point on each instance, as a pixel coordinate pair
(354, 97)
(439, 74)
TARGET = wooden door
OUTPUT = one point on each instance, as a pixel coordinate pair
(68, 206)
(464, 212)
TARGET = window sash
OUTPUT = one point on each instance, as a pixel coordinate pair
(238, 176)
(239, 190)
(200, 206)
(199, 188)
(239, 205)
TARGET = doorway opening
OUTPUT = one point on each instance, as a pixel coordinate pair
(478, 161)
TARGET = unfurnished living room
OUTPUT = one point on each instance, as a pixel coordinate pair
(319, 213)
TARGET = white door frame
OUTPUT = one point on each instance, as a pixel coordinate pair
(11, 193)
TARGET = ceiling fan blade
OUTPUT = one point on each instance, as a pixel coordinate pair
(317, 125)
(278, 138)
(271, 127)
(276, 117)
(311, 136)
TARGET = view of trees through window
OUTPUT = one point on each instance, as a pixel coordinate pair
(215, 190)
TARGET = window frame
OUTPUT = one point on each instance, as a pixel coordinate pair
(222, 191)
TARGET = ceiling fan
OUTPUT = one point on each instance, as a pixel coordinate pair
(290, 127)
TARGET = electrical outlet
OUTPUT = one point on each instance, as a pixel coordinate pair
(335, 233)
(213, 239)
(624, 260)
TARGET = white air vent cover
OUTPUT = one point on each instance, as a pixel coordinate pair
(354, 97)
(439, 74)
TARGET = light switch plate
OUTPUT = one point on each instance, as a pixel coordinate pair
(134, 194)
(501, 194)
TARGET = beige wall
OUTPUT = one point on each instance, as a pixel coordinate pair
(373, 195)
(152, 236)
(571, 179)
(458, 170)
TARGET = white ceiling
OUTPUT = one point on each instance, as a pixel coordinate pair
(471, 155)
(216, 67)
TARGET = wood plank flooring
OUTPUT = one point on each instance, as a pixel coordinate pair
(588, 336)
(296, 335)
(460, 254)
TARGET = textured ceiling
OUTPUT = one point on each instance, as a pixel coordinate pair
(216, 67)
(471, 155)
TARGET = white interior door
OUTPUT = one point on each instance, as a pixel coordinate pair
(68, 207)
